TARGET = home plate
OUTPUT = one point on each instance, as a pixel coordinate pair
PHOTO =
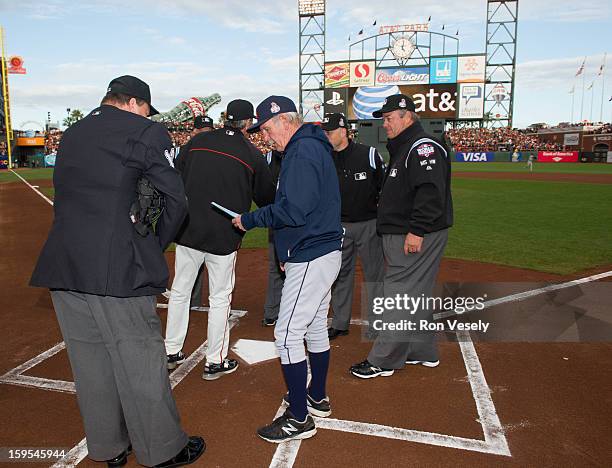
(255, 351)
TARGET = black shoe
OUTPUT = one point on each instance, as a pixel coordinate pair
(175, 359)
(366, 370)
(286, 427)
(333, 333)
(190, 453)
(322, 408)
(120, 459)
(214, 371)
(268, 322)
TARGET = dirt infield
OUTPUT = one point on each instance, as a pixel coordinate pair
(552, 399)
(543, 176)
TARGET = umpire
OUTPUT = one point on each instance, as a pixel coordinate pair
(104, 276)
(360, 173)
(414, 214)
(276, 277)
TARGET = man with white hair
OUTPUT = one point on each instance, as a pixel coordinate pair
(305, 217)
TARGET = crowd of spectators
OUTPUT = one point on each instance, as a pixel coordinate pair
(605, 128)
(496, 139)
(52, 141)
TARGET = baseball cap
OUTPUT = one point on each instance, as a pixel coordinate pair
(333, 121)
(239, 109)
(134, 87)
(203, 121)
(271, 107)
(395, 102)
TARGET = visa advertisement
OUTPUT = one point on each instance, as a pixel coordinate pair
(443, 70)
(475, 157)
(402, 76)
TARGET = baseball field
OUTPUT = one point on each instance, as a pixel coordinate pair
(538, 244)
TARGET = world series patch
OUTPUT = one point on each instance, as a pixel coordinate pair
(425, 150)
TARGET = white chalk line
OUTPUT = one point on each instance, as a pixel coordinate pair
(79, 451)
(527, 294)
(33, 188)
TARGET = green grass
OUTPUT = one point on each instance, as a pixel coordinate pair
(558, 168)
(547, 226)
(28, 174)
(556, 227)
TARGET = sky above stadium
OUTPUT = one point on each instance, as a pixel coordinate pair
(242, 49)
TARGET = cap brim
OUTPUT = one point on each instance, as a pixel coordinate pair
(152, 110)
(255, 127)
(377, 114)
(329, 128)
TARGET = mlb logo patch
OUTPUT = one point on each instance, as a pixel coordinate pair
(425, 150)
(393, 173)
(361, 176)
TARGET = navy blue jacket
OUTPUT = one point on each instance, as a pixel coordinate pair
(305, 214)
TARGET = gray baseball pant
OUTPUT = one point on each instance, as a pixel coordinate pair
(118, 360)
(359, 238)
(415, 275)
(304, 306)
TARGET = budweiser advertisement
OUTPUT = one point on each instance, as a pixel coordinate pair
(557, 156)
(337, 75)
(362, 74)
(431, 101)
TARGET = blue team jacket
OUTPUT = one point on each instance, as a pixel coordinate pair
(305, 214)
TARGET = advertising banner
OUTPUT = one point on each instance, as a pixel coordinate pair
(337, 75)
(3, 161)
(15, 65)
(471, 69)
(475, 157)
(431, 101)
(557, 156)
(571, 139)
(195, 106)
(471, 101)
(50, 160)
(335, 100)
(34, 141)
(443, 70)
(362, 74)
(402, 76)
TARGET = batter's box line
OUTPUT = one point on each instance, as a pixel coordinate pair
(494, 438)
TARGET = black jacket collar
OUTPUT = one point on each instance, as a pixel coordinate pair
(394, 144)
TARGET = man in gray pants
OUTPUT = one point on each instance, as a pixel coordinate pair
(360, 175)
(104, 276)
(414, 214)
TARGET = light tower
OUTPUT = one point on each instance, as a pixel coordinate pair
(312, 58)
(502, 16)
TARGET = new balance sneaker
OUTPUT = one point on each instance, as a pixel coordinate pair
(167, 294)
(286, 427)
(175, 359)
(214, 371)
(425, 363)
(322, 408)
(367, 370)
(268, 322)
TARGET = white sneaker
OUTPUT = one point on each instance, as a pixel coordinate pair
(425, 363)
(166, 294)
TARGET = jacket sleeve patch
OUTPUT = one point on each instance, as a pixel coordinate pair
(425, 150)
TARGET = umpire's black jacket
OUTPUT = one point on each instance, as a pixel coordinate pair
(416, 193)
(360, 174)
(224, 167)
(92, 246)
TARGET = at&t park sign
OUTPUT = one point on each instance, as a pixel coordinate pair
(424, 27)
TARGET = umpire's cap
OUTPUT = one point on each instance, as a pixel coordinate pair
(395, 102)
(134, 87)
(203, 121)
(333, 121)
